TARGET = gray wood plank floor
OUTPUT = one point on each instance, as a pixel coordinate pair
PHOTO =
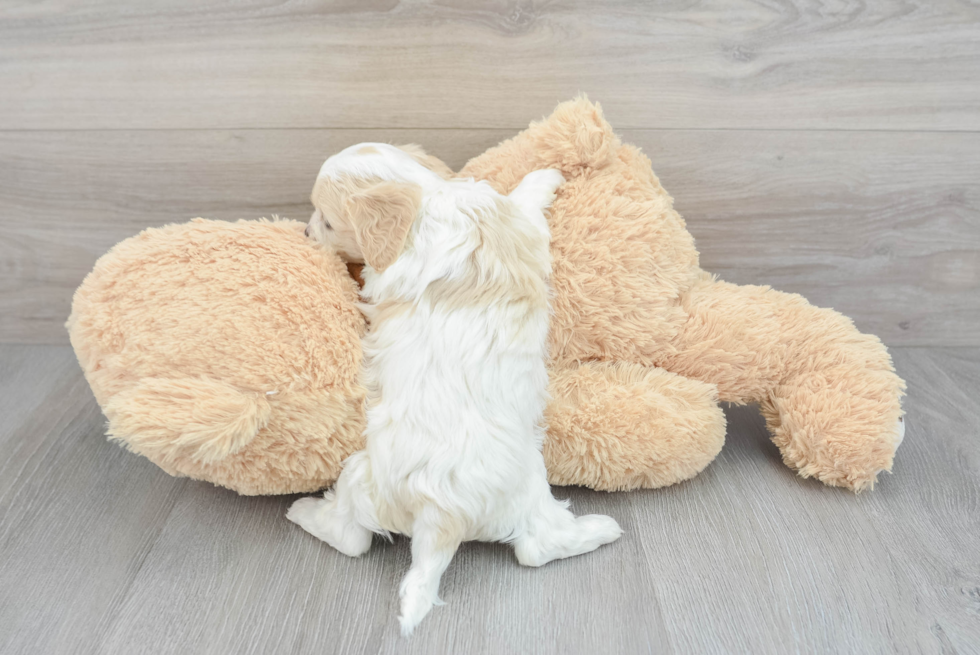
(104, 553)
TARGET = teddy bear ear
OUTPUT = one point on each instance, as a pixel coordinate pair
(576, 135)
(382, 216)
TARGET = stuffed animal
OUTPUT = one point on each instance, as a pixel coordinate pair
(229, 352)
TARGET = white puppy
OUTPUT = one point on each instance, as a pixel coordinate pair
(456, 278)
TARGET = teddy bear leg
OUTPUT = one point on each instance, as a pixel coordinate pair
(829, 393)
(619, 426)
(840, 435)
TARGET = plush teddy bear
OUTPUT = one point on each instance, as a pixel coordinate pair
(229, 352)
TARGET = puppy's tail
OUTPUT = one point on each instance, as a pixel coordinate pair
(187, 420)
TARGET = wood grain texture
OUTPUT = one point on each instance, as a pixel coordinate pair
(103, 553)
(884, 227)
(234, 577)
(756, 560)
(78, 516)
(489, 63)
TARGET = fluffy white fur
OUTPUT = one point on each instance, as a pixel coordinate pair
(454, 364)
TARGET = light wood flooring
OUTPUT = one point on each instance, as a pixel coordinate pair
(104, 553)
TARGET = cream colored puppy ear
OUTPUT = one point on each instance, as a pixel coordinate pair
(431, 162)
(382, 216)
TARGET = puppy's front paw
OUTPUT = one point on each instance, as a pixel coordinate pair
(537, 189)
(546, 182)
(549, 178)
(899, 432)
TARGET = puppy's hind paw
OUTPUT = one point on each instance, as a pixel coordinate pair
(304, 513)
(323, 519)
(601, 530)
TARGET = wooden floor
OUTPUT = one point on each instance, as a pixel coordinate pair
(830, 148)
(104, 553)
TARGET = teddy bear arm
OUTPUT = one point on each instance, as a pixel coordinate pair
(829, 393)
(187, 422)
(619, 426)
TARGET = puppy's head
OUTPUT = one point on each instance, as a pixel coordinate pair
(367, 197)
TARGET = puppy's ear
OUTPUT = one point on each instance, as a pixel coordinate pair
(434, 164)
(382, 216)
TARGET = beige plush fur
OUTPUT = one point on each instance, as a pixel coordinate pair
(184, 331)
(226, 352)
(629, 289)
